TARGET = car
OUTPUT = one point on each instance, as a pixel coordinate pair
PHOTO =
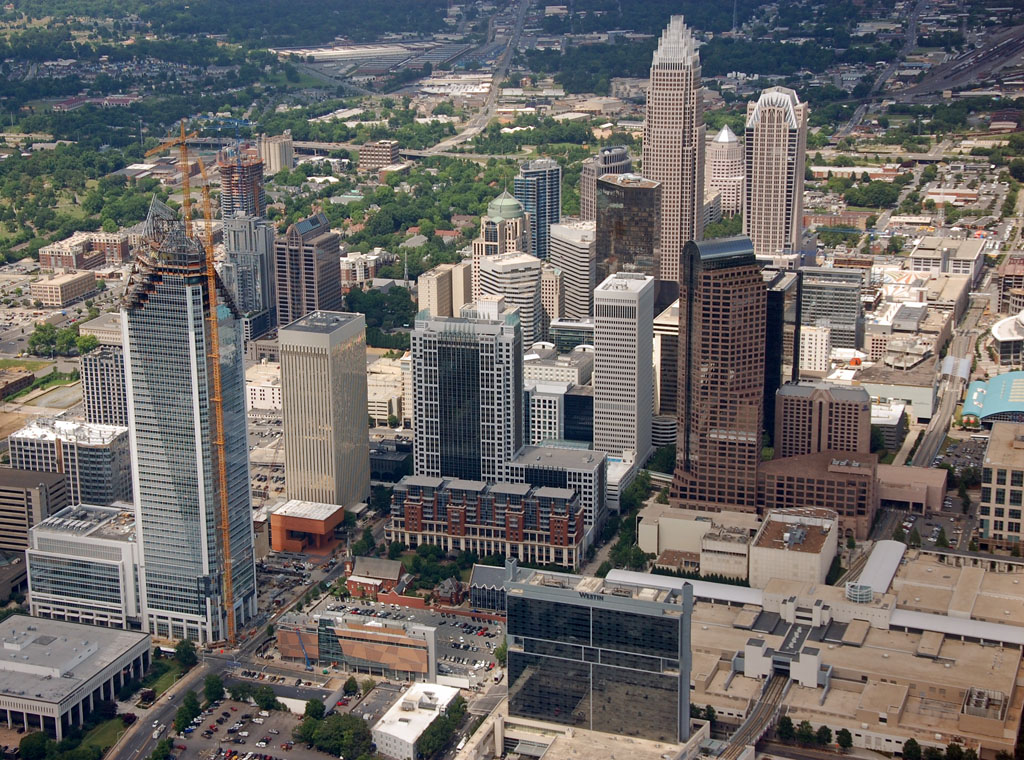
(261, 744)
(274, 731)
(214, 727)
(180, 746)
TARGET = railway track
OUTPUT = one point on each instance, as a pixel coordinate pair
(762, 715)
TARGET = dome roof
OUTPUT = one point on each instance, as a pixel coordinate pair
(726, 135)
(505, 206)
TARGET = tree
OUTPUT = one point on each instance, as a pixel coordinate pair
(368, 685)
(899, 534)
(213, 688)
(343, 735)
(970, 754)
(395, 549)
(823, 735)
(501, 652)
(187, 712)
(895, 244)
(351, 685)
(709, 714)
(844, 739)
(306, 730)
(954, 752)
(851, 543)
(934, 753)
(785, 730)
(941, 541)
(33, 746)
(911, 749)
(85, 343)
(315, 709)
(805, 733)
(185, 653)
(265, 698)
(914, 539)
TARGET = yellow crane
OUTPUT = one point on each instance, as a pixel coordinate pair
(213, 355)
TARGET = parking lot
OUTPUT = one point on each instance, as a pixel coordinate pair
(277, 727)
(963, 455)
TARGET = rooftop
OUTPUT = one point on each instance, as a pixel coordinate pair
(968, 248)
(633, 282)
(12, 477)
(551, 456)
(629, 180)
(797, 536)
(409, 717)
(324, 322)
(998, 395)
(805, 389)
(1005, 445)
(307, 510)
(63, 279)
(85, 433)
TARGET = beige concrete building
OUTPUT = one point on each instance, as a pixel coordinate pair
(775, 144)
(917, 489)
(263, 387)
(723, 170)
(277, 152)
(815, 350)
(1002, 487)
(63, 289)
(814, 417)
(106, 328)
(385, 390)
(505, 228)
(434, 289)
(517, 278)
(552, 296)
(673, 142)
(573, 252)
(613, 159)
(794, 544)
(663, 528)
(323, 384)
(376, 155)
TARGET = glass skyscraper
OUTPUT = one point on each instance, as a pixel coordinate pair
(538, 186)
(249, 271)
(599, 654)
(175, 463)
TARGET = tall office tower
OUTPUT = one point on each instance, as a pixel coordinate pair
(628, 226)
(249, 272)
(721, 376)
(609, 160)
(552, 296)
(277, 152)
(517, 278)
(723, 170)
(815, 351)
(815, 417)
(623, 356)
(538, 186)
(572, 250)
(674, 142)
(775, 144)
(434, 289)
(103, 391)
(96, 459)
(308, 269)
(666, 376)
(505, 228)
(241, 182)
(781, 338)
(323, 396)
(832, 297)
(566, 631)
(468, 392)
(190, 460)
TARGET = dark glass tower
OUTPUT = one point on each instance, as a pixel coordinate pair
(538, 186)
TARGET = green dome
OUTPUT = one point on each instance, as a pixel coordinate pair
(505, 206)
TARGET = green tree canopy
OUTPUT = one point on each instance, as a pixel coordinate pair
(213, 688)
(315, 709)
(343, 735)
(185, 653)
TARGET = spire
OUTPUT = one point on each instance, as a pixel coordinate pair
(726, 135)
(676, 44)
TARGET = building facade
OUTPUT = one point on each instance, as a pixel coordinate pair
(249, 272)
(308, 269)
(374, 156)
(323, 405)
(505, 228)
(721, 376)
(815, 417)
(623, 356)
(27, 497)
(781, 337)
(628, 226)
(609, 160)
(538, 186)
(573, 251)
(516, 277)
(277, 152)
(467, 381)
(775, 144)
(63, 290)
(723, 170)
(103, 390)
(1002, 488)
(241, 182)
(832, 298)
(673, 152)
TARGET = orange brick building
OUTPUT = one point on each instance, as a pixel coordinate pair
(305, 527)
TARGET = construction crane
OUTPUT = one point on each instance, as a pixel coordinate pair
(213, 355)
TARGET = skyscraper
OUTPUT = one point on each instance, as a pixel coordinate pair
(609, 160)
(517, 278)
(723, 170)
(503, 229)
(552, 296)
(781, 338)
(830, 297)
(572, 251)
(249, 272)
(721, 376)
(628, 226)
(623, 356)
(468, 392)
(775, 143)
(241, 182)
(190, 461)
(277, 152)
(323, 396)
(538, 186)
(308, 269)
(103, 392)
(674, 142)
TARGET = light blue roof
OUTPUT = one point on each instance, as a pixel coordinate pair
(1002, 394)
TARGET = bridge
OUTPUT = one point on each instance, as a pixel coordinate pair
(760, 719)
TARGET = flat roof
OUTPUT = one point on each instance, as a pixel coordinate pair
(415, 710)
(49, 660)
(89, 520)
(882, 565)
(12, 477)
(63, 279)
(718, 592)
(1001, 449)
(792, 536)
(322, 322)
(552, 456)
(86, 433)
(307, 510)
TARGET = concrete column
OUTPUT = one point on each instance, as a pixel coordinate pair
(60, 727)
(81, 713)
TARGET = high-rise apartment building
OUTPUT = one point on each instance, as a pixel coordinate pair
(249, 272)
(241, 182)
(190, 460)
(815, 417)
(775, 144)
(94, 458)
(552, 296)
(721, 376)
(609, 160)
(446, 288)
(538, 186)
(723, 170)
(277, 152)
(505, 228)
(674, 142)
(815, 350)
(517, 278)
(308, 269)
(600, 654)
(573, 246)
(832, 298)
(103, 389)
(323, 397)
(623, 355)
(628, 226)
(467, 374)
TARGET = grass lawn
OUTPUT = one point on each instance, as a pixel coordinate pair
(30, 364)
(104, 735)
(163, 683)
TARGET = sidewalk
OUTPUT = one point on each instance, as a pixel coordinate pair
(908, 443)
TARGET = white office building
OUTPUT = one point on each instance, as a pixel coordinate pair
(573, 248)
(401, 727)
(517, 278)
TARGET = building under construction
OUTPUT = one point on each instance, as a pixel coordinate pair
(186, 400)
(241, 182)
